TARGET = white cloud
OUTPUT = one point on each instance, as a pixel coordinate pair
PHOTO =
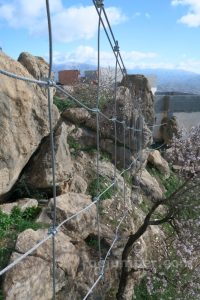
(192, 18)
(132, 59)
(86, 54)
(73, 23)
(69, 24)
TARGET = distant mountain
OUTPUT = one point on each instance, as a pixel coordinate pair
(173, 80)
(164, 79)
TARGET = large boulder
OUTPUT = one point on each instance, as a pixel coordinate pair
(31, 279)
(23, 282)
(39, 172)
(159, 163)
(142, 95)
(76, 115)
(23, 119)
(67, 205)
(149, 185)
(167, 129)
(35, 65)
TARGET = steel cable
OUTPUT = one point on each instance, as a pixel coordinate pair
(53, 163)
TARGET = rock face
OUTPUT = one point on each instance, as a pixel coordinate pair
(19, 284)
(70, 203)
(150, 185)
(35, 65)
(165, 132)
(169, 130)
(39, 173)
(125, 112)
(76, 115)
(25, 154)
(135, 140)
(142, 95)
(23, 119)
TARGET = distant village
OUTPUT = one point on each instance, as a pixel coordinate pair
(72, 77)
(75, 76)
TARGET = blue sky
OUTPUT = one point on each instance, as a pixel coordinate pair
(151, 33)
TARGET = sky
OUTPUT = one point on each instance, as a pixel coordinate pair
(151, 33)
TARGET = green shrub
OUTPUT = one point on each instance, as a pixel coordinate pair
(105, 156)
(63, 104)
(104, 183)
(170, 184)
(11, 225)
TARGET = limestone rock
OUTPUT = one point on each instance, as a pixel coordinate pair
(78, 185)
(126, 110)
(165, 132)
(67, 205)
(66, 255)
(141, 92)
(23, 282)
(22, 204)
(44, 217)
(35, 65)
(39, 172)
(31, 279)
(149, 185)
(76, 115)
(159, 163)
(23, 120)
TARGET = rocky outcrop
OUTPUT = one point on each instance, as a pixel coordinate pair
(136, 139)
(26, 151)
(39, 172)
(76, 115)
(78, 185)
(35, 65)
(141, 95)
(167, 129)
(149, 185)
(20, 284)
(23, 119)
(77, 260)
(125, 112)
(159, 163)
(67, 205)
